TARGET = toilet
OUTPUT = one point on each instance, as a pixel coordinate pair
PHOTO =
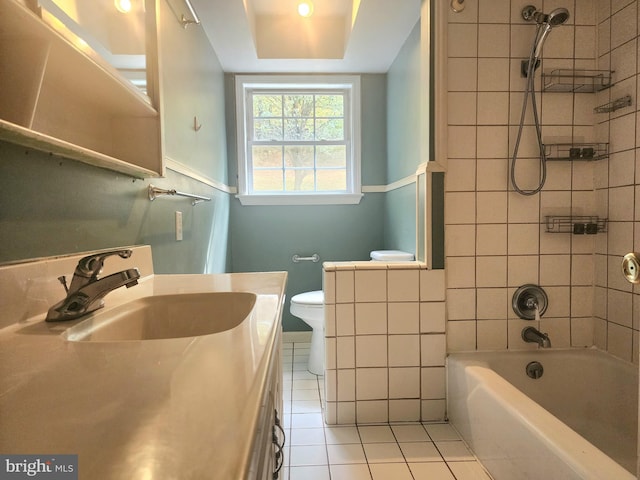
(309, 307)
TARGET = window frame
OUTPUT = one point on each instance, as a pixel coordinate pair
(317, 84)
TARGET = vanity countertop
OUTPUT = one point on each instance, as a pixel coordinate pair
(183, 408)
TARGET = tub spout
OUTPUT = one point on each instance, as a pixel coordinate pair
(532, 335)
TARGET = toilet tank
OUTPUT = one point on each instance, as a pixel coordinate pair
(391, 256)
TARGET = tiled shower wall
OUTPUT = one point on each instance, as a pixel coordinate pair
(495, 238)
(385, 343)
(617, 304)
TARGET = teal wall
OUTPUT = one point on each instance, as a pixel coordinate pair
(266, 237)
(53, 206)
(403, 139)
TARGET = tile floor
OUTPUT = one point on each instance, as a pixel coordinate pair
(408, 451)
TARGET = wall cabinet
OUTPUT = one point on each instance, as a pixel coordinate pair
(58, 96)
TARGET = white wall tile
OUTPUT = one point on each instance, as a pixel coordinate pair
(371, 351)
(346, 352)
(372, 411)
(406, 410)
(329, 286)
(491, 271)
(433, 349)
(404, 350)
(433, 411)
(620, 341)
(371, 318)
(432, 383)
(461, 336)
(432, 285)
(344, 286)
(346, 413)
(403, 285)
(345, 319)
(491, 334)
(346, 381)
(370, 285)
(492, 303)
(462, 74)
(372, 384)
(461, 303)
(463, 40)
(460, 240)
(493, 74)
(432, 317)
(491, 239)
(522, 269)
(555, 269)
(404, 317)
(582, 332)
(461, 272)
(404, 382)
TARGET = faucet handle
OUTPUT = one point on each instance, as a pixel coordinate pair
(89, 267)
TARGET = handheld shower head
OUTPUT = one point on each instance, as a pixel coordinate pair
(558, 17)
(545, 23)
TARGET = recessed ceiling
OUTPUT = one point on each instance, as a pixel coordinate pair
(358, 36)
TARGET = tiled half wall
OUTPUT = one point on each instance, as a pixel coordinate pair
(385, 342)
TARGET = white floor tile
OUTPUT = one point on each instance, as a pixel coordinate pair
(304, 455)
(376, 434)
(468, 471)
(420, 452)
(431, 471)
(306, 420)
(341, 435)
(383, 453)
(350, 472)
(410, 433)
(346, 454)
(454, 451)
(305, 395)
(441, 431)
(390, 471)
(306, 406)
(317, 472)
(307, 436)
(305, 385)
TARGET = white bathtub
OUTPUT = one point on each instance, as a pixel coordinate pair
(578, 421)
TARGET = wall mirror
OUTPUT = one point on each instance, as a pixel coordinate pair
(68, 76)
(114, 29)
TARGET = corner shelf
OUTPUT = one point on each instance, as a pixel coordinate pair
(615, 105)
(576, 151)
(576, 81)
(576, 224)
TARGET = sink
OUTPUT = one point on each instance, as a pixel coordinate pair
(166, 316)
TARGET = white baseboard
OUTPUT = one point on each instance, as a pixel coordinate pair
(296, 337)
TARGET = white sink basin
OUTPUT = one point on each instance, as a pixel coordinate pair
(166, 316)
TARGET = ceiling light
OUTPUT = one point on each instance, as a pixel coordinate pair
(123, 6)
(305, 9)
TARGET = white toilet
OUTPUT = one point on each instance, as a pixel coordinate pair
(309, 307)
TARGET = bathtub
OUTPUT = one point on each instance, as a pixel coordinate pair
(579, 420)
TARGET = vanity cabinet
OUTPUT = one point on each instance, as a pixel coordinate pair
(268, 450)
(58, 96)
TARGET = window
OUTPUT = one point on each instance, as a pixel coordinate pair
(298, 140)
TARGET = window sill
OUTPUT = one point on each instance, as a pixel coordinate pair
(311, 199)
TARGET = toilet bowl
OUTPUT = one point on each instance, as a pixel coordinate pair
(309, 307)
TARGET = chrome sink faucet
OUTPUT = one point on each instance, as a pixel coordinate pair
(86, 292)
(533, 335)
